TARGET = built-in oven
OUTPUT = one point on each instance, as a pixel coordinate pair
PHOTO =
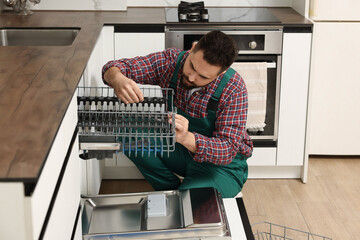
(255, 44)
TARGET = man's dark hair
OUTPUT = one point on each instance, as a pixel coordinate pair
(219, 49)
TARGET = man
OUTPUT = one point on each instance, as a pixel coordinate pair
(212, 145)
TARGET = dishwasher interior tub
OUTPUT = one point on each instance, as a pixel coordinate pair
(178, 214)
(107, 125)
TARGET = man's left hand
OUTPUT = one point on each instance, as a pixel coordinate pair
(183, 136)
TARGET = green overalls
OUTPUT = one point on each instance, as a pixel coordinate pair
(159, 171)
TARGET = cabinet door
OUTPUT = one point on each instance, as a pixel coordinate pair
(293, 98)
(263, 156)
(334, 114)
(335, 10)
(129, 45)
(63, 215)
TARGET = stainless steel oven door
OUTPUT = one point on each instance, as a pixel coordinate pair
(255, 44)
(268, 137)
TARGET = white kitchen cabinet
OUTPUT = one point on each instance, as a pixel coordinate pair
(334, 113)
(293, 99)
(128, 45)
(288, 159)
(334, 10)
(32, 215)
(263, 156)
(63, 216)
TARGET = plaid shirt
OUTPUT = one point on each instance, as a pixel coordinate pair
(229, 136)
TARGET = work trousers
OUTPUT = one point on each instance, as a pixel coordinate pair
(159, 172)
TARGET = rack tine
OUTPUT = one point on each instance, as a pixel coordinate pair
(149, 140)
(136, 137)
(154, 137)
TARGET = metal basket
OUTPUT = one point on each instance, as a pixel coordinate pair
(138, 127)
(271, 231)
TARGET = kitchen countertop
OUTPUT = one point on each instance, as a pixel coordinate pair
(37, 83)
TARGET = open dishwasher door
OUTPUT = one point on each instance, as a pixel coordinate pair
(178, 214)
(107, 125)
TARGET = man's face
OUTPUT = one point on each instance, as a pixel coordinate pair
(197, 72)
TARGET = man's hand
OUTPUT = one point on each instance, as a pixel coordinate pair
(125, 88)
(183, 136)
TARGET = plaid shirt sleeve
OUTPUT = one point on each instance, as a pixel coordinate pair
(229, 137)
(150, 69)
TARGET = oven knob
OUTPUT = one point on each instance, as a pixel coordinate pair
(252, 44)
(182, 17)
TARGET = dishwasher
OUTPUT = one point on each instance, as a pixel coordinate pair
(106, 126)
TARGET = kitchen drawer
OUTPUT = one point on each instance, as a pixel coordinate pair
(23, 216)
(38, 204)
(263, 156)
(63, 215)
(77, 234)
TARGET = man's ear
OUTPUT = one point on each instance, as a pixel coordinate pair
(193, 46)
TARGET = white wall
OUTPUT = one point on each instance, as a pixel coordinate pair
(110, 5)
(301, 6)
(208, 3)
(118, 5)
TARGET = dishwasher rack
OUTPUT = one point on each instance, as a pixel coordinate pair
(271, 231)
(107, 125)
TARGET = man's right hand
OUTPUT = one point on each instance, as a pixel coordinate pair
(125, 88)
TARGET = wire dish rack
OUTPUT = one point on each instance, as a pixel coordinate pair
(271, 231)
(137, 128)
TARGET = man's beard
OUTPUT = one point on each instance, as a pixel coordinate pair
(185, 83)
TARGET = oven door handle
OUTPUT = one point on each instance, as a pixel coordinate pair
(268, 64)
(271, 64)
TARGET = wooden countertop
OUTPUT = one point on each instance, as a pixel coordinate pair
(37, 83)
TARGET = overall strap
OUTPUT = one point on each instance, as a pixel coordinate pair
(214, 100)
(173, 82)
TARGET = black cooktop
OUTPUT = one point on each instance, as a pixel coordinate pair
(224, 15)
